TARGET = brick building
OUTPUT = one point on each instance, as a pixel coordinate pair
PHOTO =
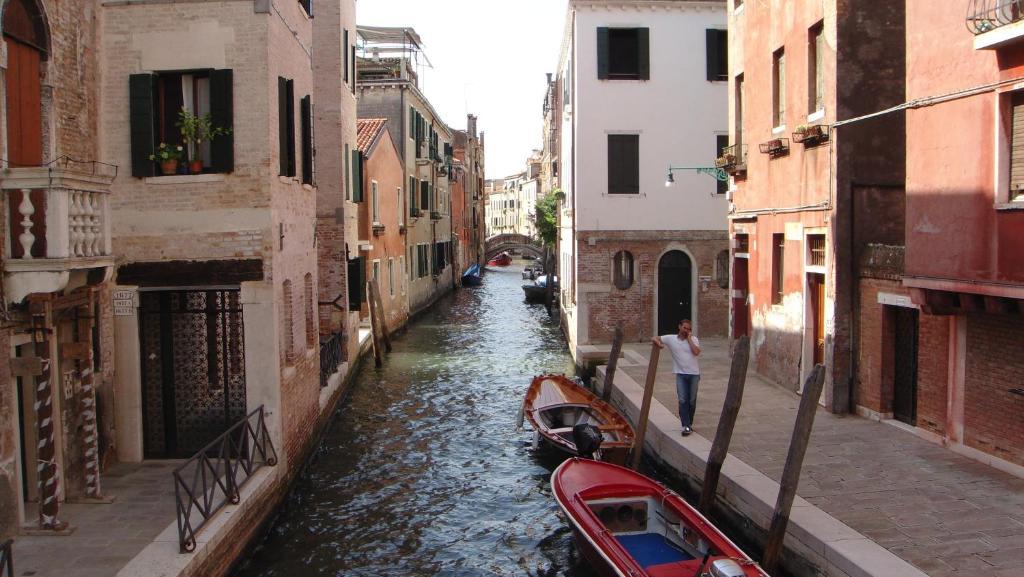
(382, 221)
(388, 87)
(468, 203)
(633, 252)
(809, 198)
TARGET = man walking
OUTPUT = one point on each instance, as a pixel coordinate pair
(685, 349)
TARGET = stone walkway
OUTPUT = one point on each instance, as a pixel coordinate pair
(107, 536)
(946, 514)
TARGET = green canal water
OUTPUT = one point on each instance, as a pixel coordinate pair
(422, 471)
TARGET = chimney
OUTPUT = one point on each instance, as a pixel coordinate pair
(549, 77)
(471, 125)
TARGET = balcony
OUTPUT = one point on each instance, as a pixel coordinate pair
(60, 223)
(995, 23)
(733, 159)
(435, 215)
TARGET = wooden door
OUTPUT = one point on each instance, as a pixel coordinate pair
(816, 287)
(904, 402)
(24, 104)
(675, 291)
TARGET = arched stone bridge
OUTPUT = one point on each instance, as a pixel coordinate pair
(499, 243)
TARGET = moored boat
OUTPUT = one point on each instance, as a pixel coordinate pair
(502, 259)
(555, 405)
(473, 276)
(626, 524)
(535, 292)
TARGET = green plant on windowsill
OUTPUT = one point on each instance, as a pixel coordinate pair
(168, 156)
(194, 131)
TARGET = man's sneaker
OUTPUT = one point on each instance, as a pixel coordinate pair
(686, 431)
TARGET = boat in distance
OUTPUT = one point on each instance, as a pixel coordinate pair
(503, 259)
(536, 291)
(555, 406)
(628, 525)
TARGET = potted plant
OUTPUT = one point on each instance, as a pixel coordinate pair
(194, 131)
(167, 155)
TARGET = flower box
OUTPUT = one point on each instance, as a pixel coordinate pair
(812, 134)
(775, 147)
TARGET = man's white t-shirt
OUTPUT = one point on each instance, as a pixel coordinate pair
(684, 362)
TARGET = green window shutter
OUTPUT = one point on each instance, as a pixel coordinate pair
(140, 115)
(424, 195)
(290, 111)
(306, 112)
(643, 53)
(357, 176)
(603, 56)
(413, 209)
(222, 148)
(282, 125)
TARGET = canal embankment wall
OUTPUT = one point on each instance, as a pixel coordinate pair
(816, 543)
(223, 542)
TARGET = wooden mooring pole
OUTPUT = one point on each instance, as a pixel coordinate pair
(794, 462)
(613, 362)
(730, 410)
(645, 408)
(375, 321)
(380, 314)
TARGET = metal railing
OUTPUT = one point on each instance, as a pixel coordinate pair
(985, 15)
(330, 357)
(214, 476)
(7, 559)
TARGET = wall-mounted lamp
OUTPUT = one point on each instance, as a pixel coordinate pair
(716, 173)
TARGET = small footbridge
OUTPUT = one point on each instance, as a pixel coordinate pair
(520, 243)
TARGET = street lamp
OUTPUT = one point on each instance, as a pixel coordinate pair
(716, 173)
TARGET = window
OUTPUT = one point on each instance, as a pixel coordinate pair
(815, 68)
(344, 48)
(374, 202)
(289, 328)
(310, 303)
(1017, 147)
(286, 125)
(401, 213)
(778, 256)
(155, 103)
(623, 54)
(357, 175)
(306, 113)
(740, 105)
(423, 260)
(376, 273)
(815, 250)
(717, 54)
(623, 164)
(356, 283)
(348, 171)
(622, 270)
(307, 5)
(722, 269)
(414, 209)
(721, 143)
(779, 88)
(424, 195)
(391, 277)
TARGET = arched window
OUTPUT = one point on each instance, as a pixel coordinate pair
(622, 270)
(310, 303)
(289, 325)
(722, 269)
(24, 21)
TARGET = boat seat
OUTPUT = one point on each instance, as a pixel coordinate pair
(652, 549)
(611, 427)
(560, 430)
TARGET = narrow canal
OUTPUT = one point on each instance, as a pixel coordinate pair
(422, 472)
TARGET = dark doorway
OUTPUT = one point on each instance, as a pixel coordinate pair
(816, 289)
(741, 288)
(904, 401)
(193, 368)
(675, 291)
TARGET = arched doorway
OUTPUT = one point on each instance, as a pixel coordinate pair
(675, 291)
(24, 32)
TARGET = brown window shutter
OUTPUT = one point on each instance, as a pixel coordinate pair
(1017, 145)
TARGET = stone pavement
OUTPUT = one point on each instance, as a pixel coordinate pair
(107, 536)
(946, 514)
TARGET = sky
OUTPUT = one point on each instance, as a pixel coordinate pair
(489, 59)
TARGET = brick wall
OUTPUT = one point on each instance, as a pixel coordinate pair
(932, 372)
(992, 415)
(635, 308)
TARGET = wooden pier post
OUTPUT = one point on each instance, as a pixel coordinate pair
(645, 408)
(379, 304)
(794, 462)
(613, 362)
(730, 411)
(375, 321)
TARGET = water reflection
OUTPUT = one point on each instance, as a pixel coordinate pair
(422, 472)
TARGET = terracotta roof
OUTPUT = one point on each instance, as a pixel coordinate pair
(368, 130)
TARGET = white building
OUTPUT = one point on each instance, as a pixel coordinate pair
(643, 87)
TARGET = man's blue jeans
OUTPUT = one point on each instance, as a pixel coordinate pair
(686, 390)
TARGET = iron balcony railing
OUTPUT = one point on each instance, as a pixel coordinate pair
(214, 476)
(7, 559)
(985, 15)
(330, 358)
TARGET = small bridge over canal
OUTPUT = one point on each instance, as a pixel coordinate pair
(520, 243)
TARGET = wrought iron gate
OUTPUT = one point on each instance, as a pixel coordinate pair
(193, 368)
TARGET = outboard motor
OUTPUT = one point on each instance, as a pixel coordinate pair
(588, 440)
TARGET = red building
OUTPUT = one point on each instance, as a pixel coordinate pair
(467, 184)
(965, 221)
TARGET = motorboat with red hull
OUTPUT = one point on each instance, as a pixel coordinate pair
(628, 525)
